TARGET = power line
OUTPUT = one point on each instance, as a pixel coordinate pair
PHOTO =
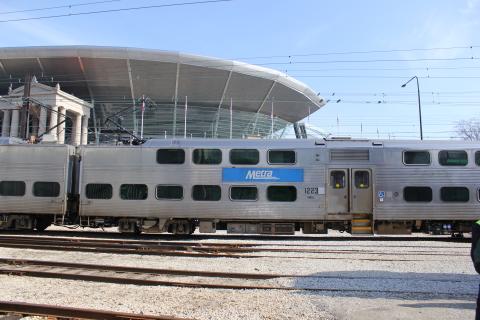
(117, 10)
(370, 60)
(60, 7)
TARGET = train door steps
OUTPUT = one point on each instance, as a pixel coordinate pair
(362, 223)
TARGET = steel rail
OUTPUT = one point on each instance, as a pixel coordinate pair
(209, 250)
(61, 312)
(158, 252)
(186, 284)
(196, 273)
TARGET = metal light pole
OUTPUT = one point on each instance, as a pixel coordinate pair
(419, 104)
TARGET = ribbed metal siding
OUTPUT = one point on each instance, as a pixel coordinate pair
(349, 154)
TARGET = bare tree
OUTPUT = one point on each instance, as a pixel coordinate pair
(469, 129)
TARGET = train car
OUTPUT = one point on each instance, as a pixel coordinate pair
(246, 186)
(35, 183)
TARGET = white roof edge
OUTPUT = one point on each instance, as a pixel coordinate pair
(163, 56)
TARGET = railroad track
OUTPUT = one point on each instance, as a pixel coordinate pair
(186, 249)
(190, 278)
(60, 312)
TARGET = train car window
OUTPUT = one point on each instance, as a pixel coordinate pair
(453, 158)
(206, 193)
(244, 156)
(416, 157)
(133, 191)
(169, 192)
(244, 193)
(170, 156)
(362, 179)
(477, 158)
(282, 193)
(281, 157)
(454, 194)
(99, 191)
(417, 194)
(337, 179)
(12, 188)
(46, 189)
(207, 156)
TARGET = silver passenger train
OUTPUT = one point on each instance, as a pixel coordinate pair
(244, 186)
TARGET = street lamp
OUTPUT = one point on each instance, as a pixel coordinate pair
(419, 104)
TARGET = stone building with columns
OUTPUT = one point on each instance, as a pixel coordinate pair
(52, 113)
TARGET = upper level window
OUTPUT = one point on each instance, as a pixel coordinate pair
(133, 191)
(281, 156)
(170, 156)
(455, 194)
(244, 193)
(416, 157)
(417, 194)
(207, 156)
(169, 192)
(477, 158)
(244, 156)
(453, 158)
(46, 189)
(99, 191)
(206, 193)
(12, 188)
(282, 193)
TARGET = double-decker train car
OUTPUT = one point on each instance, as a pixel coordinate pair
(244, 186)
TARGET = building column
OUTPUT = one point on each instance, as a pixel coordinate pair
(84, 129)
(6, 123)
(77, 129)
(53, 121)
(61, 127)
(14, 125)
(42, 121)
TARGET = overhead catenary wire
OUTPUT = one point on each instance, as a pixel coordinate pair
(116, 10)
(59, 7)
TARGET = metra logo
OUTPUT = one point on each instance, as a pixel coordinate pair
(260, 175)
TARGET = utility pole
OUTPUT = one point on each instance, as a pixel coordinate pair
(24, 111)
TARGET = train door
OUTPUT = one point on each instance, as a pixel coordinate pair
(349, 191)
(337, 191)
(361, 200)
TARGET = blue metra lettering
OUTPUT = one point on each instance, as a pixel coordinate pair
(262, 175)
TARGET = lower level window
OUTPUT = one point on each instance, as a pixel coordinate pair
(169, 192)
(99, 191)
(417, 194)
(133, 191)
(206, 193)
(454, 194)
(12, 188)
(46, 189)
(244, 193)
(282, 193)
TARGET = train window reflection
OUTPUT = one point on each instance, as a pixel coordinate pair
(453, 158)
(282, 193)
(477, 158)
(244, 193)
(206, 193)
(99, 191)
(46, 189)
(281, 157)
(454, 194)
(362, 179)
(170, 192)
(417, 194)
(337, 179)
(207, 156)
(416, 157)
(133, 191)
(244, 156)
(170, 156)
(12, 188)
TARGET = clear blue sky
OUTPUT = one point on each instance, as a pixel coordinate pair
(243, 29)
